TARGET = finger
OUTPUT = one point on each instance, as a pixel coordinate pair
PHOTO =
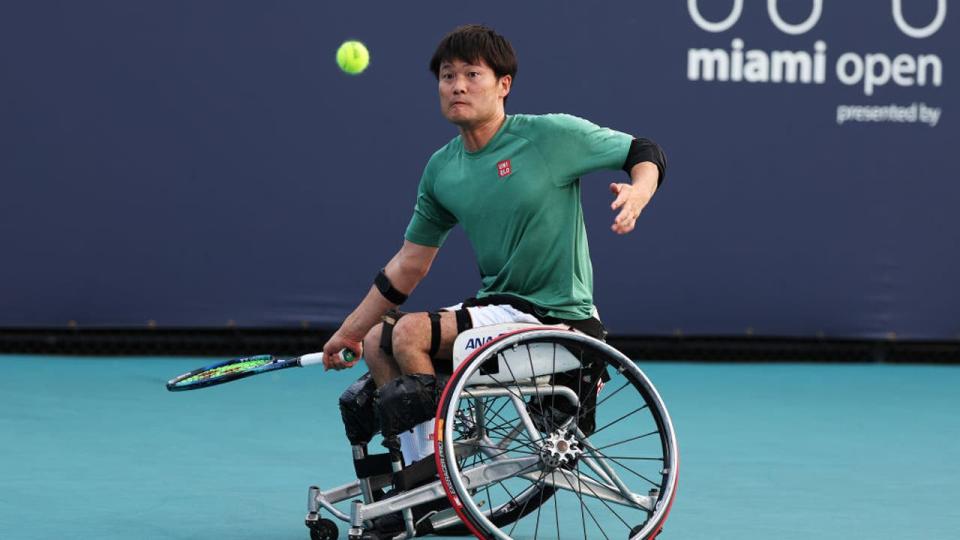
(332, 360)
(328, 357)
(621, 229)
(615, 188)
(623, 195)
(626, 215)
(621, 200)
(624, 221)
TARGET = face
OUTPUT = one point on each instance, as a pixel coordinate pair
(471, 94)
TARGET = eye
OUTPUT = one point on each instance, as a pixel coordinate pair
(474, 74)
(446, 76)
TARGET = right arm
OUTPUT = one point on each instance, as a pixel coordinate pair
(405, 270)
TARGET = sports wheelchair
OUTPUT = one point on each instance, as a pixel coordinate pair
(540, 432)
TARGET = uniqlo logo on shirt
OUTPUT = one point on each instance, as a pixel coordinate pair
(503, 168)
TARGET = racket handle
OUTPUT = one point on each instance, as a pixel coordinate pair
(313, 359)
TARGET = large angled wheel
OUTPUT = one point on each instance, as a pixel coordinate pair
(548, 433)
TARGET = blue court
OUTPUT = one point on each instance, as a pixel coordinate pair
(97, 448)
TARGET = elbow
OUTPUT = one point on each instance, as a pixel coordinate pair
(414, 269)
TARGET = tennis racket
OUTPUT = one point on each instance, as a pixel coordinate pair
(241, 368)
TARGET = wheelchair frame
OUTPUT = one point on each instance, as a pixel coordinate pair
(545, 468)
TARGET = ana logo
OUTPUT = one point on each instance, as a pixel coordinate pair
(476, 342)
(503, 168)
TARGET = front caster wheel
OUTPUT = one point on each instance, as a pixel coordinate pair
(324, 529)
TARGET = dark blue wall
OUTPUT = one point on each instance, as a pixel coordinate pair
(194, 163)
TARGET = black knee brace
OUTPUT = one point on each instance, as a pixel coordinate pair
(389, 319)
(358, 412)
(405, 402)
(434, 333)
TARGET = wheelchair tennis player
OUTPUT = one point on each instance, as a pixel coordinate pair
(513, 183)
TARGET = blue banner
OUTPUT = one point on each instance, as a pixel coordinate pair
(204, 164)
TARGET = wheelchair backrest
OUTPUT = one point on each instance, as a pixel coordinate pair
(526, 362)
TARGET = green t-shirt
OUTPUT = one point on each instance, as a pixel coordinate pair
(518, 199)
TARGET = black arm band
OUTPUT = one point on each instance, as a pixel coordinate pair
(646, 150)
(386, 289)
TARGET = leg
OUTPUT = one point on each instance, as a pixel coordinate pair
(381, 365)
(410, 399)
(412, 340)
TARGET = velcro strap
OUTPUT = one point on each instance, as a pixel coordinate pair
(389, 319)
(416, 474)
(386, 288)
(434, 333)
(373, 465)
(464, 321)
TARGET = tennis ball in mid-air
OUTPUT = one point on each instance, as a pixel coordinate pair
(353, 57)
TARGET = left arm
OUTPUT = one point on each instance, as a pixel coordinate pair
(633, 197)
(647, 165)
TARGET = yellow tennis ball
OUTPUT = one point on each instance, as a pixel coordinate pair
(353, 57)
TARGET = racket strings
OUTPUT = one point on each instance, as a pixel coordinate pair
(236, 367)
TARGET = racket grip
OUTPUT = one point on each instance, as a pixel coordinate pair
(313, 359)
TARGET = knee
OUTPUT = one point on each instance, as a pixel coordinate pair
(371, 342)
(373, 354)
(409, 335)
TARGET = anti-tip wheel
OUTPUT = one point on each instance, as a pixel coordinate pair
(324, 529)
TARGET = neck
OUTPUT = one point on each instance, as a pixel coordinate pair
(475, 137)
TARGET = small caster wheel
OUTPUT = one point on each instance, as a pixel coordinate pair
(324, 529)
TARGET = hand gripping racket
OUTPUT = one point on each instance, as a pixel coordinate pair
(240, 368)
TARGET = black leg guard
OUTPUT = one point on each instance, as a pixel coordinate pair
(405, 402)
(358, 412)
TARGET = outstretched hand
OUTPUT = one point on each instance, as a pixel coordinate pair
(630, 201)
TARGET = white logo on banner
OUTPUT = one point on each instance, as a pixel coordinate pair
(870, 71)
(814, 18)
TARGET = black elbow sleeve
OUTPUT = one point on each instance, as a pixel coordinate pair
(646, 150)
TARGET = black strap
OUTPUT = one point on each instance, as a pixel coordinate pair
(591, 327)
(434, 333)
(383, 285)
(372, 465)
(389, 319)
(464, 321)
(416, 474)
(646, 150)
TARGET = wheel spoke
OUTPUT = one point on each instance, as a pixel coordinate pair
(631, 413)
(515, 523)
(577, 472)
(583, 506)
(628, 440)
(615, 460)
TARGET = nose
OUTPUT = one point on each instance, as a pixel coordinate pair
(459, 85)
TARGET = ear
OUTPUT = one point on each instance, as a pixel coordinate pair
(505, 84)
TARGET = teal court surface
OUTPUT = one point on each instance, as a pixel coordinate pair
(96, 448)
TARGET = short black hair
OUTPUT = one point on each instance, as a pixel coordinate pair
(473, 42)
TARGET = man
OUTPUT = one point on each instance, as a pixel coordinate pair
(513, 183)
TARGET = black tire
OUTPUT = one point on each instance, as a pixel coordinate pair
(324, 529)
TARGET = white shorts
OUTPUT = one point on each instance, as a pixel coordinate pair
(500, 313)
(496, 314)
